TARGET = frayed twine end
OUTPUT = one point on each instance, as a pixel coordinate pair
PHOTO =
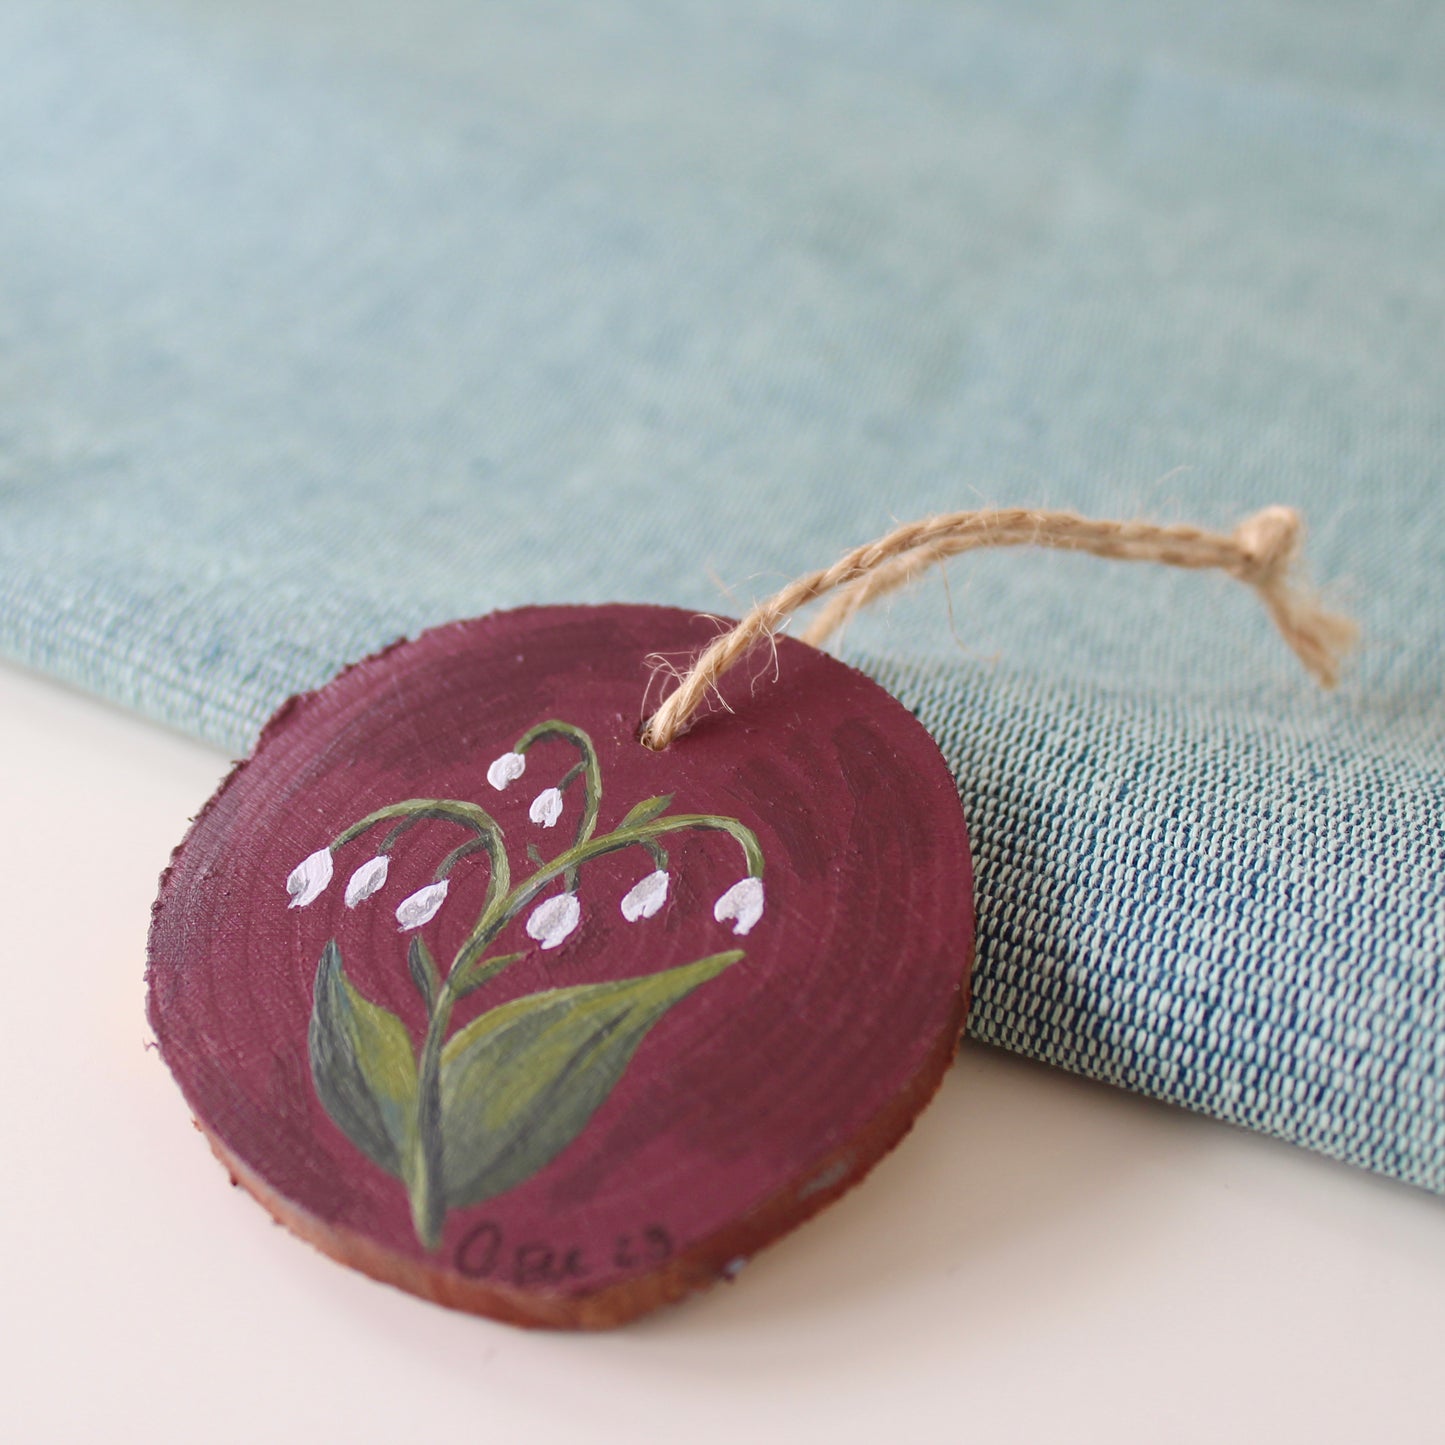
(1270, 543)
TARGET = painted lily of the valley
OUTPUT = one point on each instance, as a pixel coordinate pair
(446, 1116)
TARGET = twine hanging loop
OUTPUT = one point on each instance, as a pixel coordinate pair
(1261, 551)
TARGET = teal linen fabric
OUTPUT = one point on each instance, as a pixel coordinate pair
(320, 323)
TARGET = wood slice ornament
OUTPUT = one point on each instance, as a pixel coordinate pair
(482, 996)
(496, 989)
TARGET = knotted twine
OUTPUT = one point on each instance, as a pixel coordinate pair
(1261, 551)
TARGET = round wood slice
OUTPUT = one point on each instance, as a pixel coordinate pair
(568, 1095)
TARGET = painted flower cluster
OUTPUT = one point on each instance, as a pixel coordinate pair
(415, 1109)
(552, 920)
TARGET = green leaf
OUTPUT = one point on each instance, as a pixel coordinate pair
(480, 971)
(363, 1067)
(646, 811)
(521, 1082)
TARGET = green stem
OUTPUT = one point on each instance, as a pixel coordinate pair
(425, 1183)
(416, 810)
(643, 835)
(590, 771)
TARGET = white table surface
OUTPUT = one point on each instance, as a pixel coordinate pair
(1043, 1259)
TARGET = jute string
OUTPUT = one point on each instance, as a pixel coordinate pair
(1261, 551)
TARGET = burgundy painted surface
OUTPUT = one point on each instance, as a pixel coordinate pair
(748, 1088)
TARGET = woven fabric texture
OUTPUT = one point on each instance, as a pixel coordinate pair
(320, 323)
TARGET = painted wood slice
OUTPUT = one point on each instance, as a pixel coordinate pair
(479, 995)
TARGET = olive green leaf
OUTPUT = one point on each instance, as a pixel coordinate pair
(520, 1083)
(646, 811)
(363, 1067)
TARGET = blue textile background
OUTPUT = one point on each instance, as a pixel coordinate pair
(322, 322)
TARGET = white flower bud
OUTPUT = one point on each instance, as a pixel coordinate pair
(553, 920)
(743, 903)
(367, 880)
(547, 807)
(421, 906)
(506, 769)
(309, 878)
(645, 897)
